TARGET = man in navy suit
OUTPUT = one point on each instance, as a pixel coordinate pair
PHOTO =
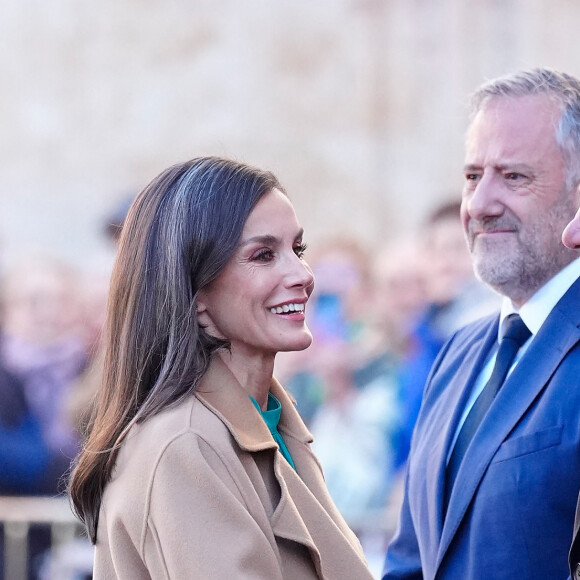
(494, 468)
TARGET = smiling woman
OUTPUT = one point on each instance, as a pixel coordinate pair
(197, 464)
(257, 302)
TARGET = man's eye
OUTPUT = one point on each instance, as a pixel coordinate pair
(471, 176)
(512, 176)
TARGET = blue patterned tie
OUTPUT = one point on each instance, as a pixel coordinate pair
(516, 334)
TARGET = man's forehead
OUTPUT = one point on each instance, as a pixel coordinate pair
(509, 127)
(512, 109)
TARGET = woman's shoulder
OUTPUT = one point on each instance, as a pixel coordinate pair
(187, 433)
(189, 418)
(177, 433)
(161, 463)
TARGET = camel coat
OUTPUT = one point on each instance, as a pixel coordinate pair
(201, 492)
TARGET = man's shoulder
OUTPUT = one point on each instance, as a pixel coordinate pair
(475, 330)
(464, 347)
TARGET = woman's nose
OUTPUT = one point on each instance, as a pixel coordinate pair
(301, 274)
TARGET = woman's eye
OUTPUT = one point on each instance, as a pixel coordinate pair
(263, 256)
(300, 249)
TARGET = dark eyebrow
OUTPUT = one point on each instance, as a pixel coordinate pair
(268, 239)
(265, 239)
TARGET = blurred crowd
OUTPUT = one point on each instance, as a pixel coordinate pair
(378, 316)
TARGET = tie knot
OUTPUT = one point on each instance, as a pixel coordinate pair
(516, 330)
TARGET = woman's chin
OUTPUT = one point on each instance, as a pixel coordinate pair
(301, 344)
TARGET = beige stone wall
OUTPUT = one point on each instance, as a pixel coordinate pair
(357, 105)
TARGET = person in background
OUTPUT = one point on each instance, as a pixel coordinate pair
(197, 464)
(95, 289)
(401, 292)
(454, 297)
(28, 466)
(357, 371)
(25, 466)
(24, 456)
(42, 346)
(494, 467)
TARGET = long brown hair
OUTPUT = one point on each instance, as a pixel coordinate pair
(179, 234)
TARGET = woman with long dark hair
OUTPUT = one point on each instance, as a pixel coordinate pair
(197, 465)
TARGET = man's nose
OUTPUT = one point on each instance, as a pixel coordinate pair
(484, 200)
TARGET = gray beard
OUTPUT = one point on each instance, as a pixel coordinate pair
(520, 272)
(520, 276)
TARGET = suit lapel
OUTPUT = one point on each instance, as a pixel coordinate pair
(556, 337)
(447, 416)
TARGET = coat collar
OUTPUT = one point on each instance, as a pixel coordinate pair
(220, 391)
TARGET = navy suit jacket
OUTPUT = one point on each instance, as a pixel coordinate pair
(511, 511)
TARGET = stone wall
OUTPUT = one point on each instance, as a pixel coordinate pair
(357, 105)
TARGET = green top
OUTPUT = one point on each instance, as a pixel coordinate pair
(271, 417)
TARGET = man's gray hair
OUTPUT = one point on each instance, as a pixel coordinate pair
(564, 88)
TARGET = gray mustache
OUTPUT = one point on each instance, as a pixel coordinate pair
(491, 225)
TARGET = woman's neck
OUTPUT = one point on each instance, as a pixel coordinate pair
(253, 373)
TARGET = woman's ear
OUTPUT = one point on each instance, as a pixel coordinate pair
(200, 306)
(201, 302)
(203, 316)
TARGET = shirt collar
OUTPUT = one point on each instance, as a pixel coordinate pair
(272, 414)
(535, 311)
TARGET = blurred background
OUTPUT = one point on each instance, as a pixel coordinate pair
(358, 106)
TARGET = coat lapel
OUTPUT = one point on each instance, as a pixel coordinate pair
(306, 513)
(557, 336)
